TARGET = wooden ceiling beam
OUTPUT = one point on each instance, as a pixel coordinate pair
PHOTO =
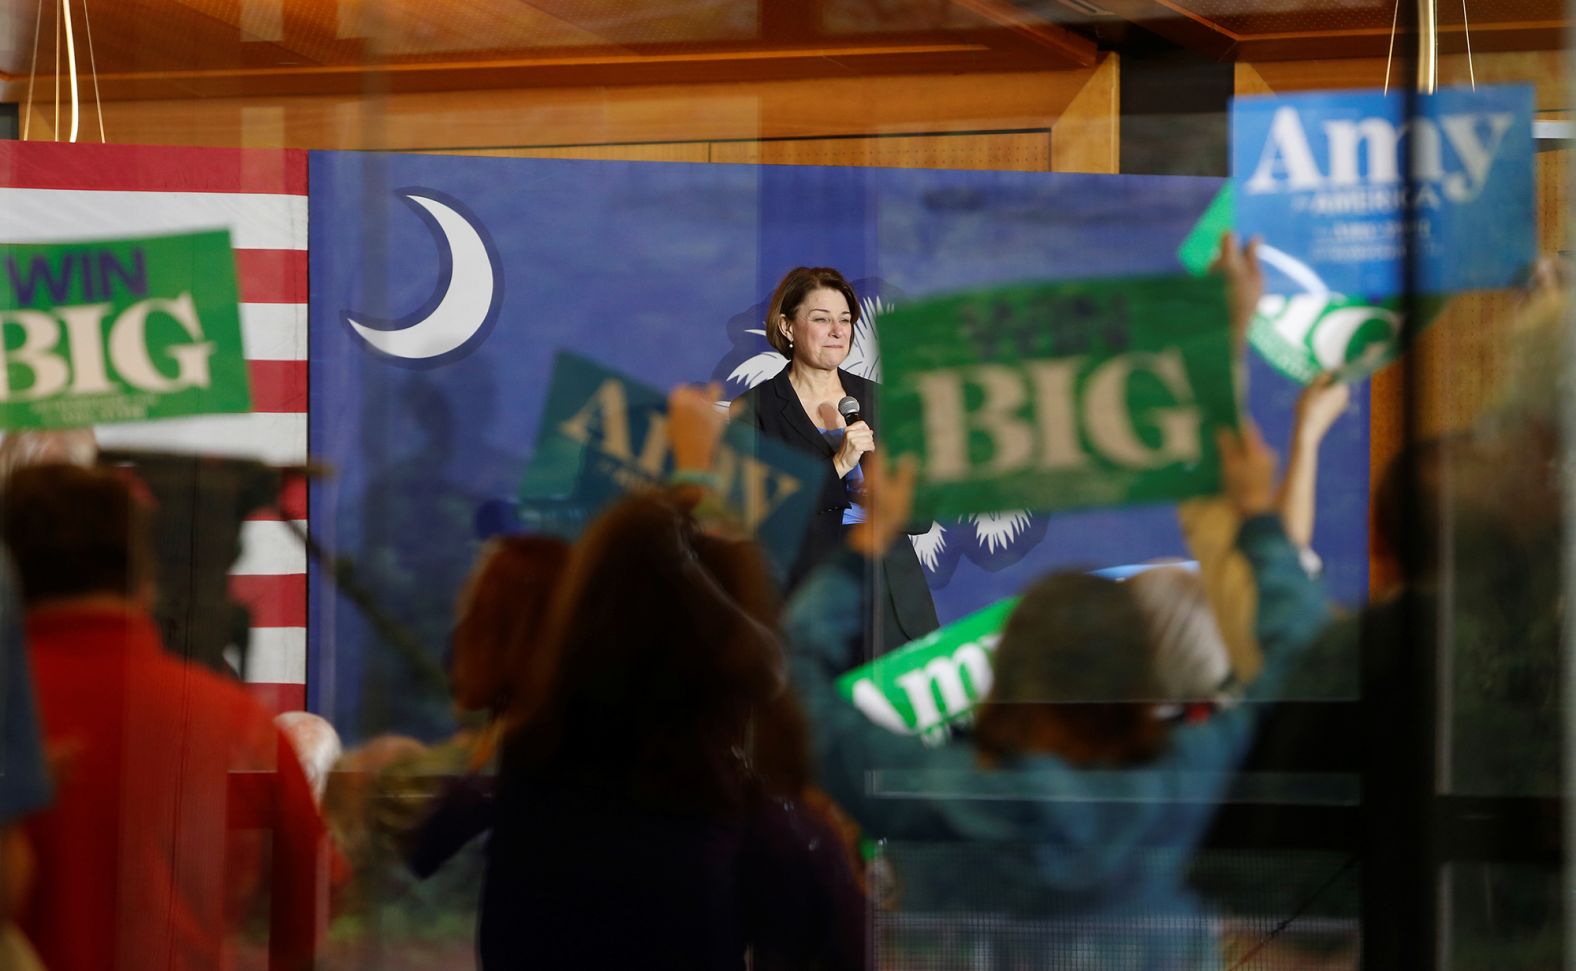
(1174, 21)
(672, 64)
(1486, 38)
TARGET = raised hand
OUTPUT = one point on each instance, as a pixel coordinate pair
(889, 500)
(1239, 265)
(695, 425)
(1320, 404)
(1552, 274)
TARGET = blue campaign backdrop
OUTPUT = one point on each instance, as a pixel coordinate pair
(662, 271)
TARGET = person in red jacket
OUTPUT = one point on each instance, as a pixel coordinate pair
(178, 802)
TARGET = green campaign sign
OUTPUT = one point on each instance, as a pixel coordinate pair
(1307, 329)
(603, 433)
(120, 330)
(935, 681)
(1057, 396)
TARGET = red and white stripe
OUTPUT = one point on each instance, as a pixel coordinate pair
(54, 192)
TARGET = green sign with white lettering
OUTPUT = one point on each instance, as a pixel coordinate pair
(1309, 330)
(1056, 396)
(934, 681)
(120, 330)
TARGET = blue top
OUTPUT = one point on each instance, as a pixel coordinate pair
(24, 785)
(1087, 853)
(854, 481)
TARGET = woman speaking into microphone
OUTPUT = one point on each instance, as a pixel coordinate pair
(810, 321)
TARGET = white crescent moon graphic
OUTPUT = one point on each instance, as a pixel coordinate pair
(464, 306)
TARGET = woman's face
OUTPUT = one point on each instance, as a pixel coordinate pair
(821, 329)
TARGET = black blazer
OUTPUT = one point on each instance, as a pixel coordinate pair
(773, 407)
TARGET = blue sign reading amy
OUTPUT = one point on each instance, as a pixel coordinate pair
(604, 433)
(1322, 177)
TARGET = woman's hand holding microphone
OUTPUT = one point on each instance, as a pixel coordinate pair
(858, 439)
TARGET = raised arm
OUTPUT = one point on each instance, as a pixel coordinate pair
(1239, 267)
(1292, 610)
(1210, 524)
(1321, 403)
(1288, 607)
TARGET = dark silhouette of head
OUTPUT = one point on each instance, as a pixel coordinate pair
(650, 668)
(75, 532)
(1074, 676)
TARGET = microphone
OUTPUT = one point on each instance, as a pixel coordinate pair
(849, 409)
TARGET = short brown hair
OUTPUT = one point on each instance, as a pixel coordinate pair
(1075, 676)
(800, 282)
(74, 531)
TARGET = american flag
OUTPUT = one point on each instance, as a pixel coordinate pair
(54, 192)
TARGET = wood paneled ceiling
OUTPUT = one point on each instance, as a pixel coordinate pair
(215, 48)
(1260, 30)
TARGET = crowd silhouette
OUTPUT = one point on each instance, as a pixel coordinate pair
(656, 768)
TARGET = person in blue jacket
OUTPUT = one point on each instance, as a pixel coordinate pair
(1075, 811)
(1070, 806)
